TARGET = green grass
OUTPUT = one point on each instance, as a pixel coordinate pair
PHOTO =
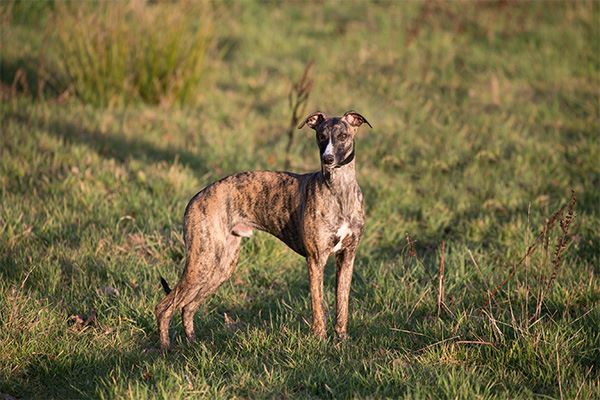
(485, 117)
(108, 53)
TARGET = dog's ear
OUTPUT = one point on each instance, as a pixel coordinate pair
(313, 120)
(355, 119)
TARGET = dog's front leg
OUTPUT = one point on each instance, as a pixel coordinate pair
(344, 264)
(315, 277)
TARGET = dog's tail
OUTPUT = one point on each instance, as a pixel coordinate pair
(165, 285)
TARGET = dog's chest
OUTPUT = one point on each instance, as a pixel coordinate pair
(341, 236)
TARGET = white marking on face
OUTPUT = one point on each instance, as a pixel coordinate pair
(328, 149)
(342, 232)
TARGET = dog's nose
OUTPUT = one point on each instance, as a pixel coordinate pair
(328, 159)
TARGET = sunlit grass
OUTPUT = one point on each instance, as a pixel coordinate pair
(485, 117)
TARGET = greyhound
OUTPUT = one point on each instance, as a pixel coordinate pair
(315, 214)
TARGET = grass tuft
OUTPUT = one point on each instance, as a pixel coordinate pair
(116, 53)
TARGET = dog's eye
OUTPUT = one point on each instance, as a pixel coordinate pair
(321, 138)
(342, 136)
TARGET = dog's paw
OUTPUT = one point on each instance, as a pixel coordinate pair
(341, 337)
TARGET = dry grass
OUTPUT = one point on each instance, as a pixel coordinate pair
(113, 53)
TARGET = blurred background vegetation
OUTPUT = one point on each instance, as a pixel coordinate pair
(486, 115)
(108, 53)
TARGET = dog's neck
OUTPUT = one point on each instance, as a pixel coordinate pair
(342, 178)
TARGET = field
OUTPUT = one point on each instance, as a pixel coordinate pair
(477, 276)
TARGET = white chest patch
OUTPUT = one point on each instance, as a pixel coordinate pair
(341, 233)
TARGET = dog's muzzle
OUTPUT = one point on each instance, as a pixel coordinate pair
(328, 159)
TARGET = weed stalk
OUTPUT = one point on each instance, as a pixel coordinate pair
(298, 98)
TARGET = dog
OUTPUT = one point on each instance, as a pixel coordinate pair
(315, 214)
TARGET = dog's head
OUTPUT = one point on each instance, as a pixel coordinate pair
(335, 136)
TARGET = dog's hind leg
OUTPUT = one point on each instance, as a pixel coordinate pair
(164, 312)
(182, 294)
(218, 274)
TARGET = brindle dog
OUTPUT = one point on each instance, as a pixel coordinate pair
(315, 214)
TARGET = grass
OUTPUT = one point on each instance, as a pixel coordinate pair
(485, 116)
(110, 54)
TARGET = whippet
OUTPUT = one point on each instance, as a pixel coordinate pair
(315, 214)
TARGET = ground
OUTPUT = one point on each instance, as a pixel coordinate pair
(485, 117)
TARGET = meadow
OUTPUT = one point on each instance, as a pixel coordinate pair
(477, 276)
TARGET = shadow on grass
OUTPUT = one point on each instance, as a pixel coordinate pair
(85, 373)
(25, 76)
(324, 371)
(427, 242)
(116, 146)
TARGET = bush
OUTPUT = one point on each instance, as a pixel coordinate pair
(118, 52)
